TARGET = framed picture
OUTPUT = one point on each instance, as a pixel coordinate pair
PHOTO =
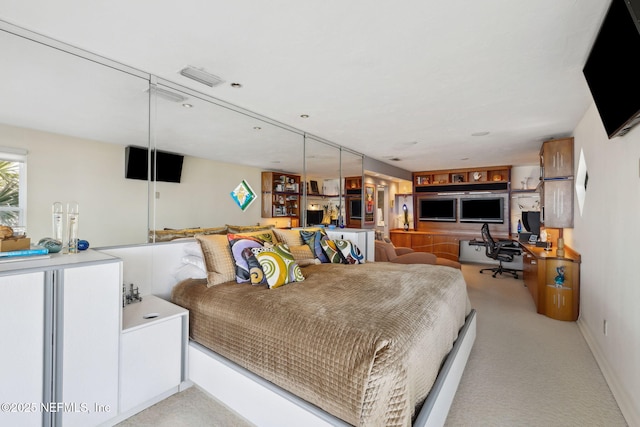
(369, 203)
(314, 187)
(457, 178)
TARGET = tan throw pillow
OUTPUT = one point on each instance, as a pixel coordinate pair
(217, 258)
(301, 252)
(290, 237)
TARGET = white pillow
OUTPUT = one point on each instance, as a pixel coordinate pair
(195, 260)
(193, 248)
(189, 271)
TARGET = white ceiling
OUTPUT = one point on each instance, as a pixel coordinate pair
(411, 79)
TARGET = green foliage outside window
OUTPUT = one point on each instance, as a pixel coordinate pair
(9, 193)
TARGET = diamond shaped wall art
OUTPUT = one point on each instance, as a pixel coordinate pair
(243, 195)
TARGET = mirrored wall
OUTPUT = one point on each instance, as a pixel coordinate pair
(79, 117)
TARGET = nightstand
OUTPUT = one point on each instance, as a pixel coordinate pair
(153, 346)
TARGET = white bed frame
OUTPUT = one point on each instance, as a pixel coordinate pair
(255, 399)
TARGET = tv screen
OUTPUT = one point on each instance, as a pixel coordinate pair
(531, 221)
(437, 210)
(482, 210)
(168, 166)
(165, 166)
(314, 217)
(612, 73)
(355, 208)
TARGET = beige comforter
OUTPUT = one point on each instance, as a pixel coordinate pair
(363, 342)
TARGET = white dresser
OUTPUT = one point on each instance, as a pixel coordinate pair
(60, 319)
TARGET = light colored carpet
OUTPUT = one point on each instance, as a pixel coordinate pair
(525, 370)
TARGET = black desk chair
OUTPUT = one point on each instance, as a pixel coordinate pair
(496, 250)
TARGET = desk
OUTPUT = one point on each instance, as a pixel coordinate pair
(540, 269)
(512, 247)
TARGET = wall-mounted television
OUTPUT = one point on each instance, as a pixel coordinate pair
(486, 209)
(611, 70)
(165, 166)
(436, 209)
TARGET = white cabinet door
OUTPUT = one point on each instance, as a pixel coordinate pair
(21, 359)
(90, 342)
(151, 362)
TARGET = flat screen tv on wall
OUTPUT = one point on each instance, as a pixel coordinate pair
(165, 166)
(482, 210)
(437, 210)
(612, 68)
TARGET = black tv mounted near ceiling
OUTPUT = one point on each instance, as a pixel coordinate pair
(612, 68)
(165, 166)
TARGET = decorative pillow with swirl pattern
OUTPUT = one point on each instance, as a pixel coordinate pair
(278, 265)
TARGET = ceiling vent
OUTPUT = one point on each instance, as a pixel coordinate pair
(201, 76)
(168, 95)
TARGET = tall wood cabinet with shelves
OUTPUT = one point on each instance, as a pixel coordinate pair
(353, 201)
(281, 196)
(556, 173)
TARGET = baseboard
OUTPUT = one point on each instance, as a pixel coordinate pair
(625, 402)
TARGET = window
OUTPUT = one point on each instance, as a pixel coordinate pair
(13, 188)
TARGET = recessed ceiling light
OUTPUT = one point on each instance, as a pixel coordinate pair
(201, 76)
(236, 85)
(257, 128)
(464, 158)
(484, 133)
(304, 116)
(187, 105)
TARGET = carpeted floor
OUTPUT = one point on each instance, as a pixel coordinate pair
(525, 370)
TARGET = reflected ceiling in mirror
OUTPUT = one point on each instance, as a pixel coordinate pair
(199, 127)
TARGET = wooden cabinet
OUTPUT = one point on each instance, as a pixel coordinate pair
(553, 297)
(281, 196)
(443, 245)
(64, 313)
(556, 172)
(496, 174)
(557, 203)
(556, 158)
(400, 239)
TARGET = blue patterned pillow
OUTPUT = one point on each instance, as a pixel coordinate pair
(332, 252)
(350, 252)
(313, 239)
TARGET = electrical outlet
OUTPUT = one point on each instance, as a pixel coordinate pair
(605, 327)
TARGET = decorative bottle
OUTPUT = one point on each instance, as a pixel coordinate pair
(56, 221)
(73, 214)
(519, 227)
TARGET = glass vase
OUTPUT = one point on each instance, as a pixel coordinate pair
(73, 214)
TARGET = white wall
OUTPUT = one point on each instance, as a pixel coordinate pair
(608, 237)
(113, 209)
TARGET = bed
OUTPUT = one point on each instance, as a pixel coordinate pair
(369, 344)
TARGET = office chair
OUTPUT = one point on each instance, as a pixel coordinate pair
(494, 250)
